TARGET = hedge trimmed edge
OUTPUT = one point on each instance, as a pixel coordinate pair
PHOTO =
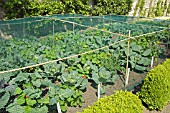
(155, 92)
(120, 102)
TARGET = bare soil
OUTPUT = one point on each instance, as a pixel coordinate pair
(166, 109)
(90, 96)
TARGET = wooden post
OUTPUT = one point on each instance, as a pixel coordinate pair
(127, 61)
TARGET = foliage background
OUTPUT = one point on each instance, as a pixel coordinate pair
(26, 8)
(151, 8)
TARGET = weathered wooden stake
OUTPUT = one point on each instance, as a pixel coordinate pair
(127, 62)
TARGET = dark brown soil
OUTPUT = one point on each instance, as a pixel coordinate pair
(166, 109)
(90, 96)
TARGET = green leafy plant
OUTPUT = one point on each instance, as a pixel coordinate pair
(138, 56)
(73, 79)
(5, 96)
(102, 76)
(66, 96)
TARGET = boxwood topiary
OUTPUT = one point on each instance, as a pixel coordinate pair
(120, 102)
(167, 65)
(155, 91)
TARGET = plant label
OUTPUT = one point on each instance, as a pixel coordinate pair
(58, 107)
(98, 93)
(127, 79)
(152, 61)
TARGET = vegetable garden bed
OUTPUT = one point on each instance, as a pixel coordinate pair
(54, 60)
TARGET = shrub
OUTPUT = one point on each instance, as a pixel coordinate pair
(120, 102)
(104, 7)
(76, 6)
(155, 91)
(26, 8)
(167, 65)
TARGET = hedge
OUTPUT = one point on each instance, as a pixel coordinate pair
(166, 64)
(27, 8)
(104, 7)
(120, 102)
(155, 92)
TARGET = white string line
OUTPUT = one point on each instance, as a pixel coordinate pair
(94, 28)
(73, 56)
(135, 23)
(106, 30)
(125, 16)
(99, 17)
(102, 17)
(109, 31)
(151, 33)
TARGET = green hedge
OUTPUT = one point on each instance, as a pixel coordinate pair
(167, 65)
(104, 7)
(120, 102)
(155, 91)
(27, 8)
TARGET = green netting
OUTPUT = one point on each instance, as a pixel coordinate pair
(44, 25)
(122, 18)
(36, 28)
(138, 20)
(115, 26)
(64, 15)
(155, 22)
